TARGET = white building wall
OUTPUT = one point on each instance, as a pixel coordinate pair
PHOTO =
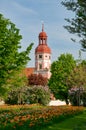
(45, 61)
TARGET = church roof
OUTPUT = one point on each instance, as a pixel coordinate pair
(29, 71)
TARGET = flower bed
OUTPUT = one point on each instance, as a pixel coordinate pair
(30, 116)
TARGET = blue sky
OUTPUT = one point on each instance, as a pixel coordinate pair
(28, 15)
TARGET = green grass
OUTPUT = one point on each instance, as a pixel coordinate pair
(77, 122)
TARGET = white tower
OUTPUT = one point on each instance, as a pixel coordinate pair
(43, 56)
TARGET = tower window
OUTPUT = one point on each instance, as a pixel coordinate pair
(40, 66)
(40, 56)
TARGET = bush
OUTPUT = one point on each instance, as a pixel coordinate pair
(17, 96)
(84, 99)
(39, 94)
(33, 94)
(12, 97)
(77, 96)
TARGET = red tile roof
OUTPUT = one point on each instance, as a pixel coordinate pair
(29, 71)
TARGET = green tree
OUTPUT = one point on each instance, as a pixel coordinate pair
(77, 25)
(11, 60)
(60, 70)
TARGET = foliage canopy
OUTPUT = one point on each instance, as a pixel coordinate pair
(11, 60)
(60, 70)
(77, 25)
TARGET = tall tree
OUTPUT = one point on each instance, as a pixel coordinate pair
(11, 60)
(60, 70)
(77, 25)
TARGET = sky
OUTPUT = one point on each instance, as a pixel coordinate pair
(29, 15)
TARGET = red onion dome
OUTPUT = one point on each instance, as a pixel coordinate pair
(43, 48)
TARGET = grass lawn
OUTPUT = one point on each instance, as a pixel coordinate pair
(75, 123)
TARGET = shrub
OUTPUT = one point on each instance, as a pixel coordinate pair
(77, 96)
(17, 96)
(39, 94)
(32, 94)
(84, 99)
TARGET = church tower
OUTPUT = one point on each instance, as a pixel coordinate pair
(43, 56)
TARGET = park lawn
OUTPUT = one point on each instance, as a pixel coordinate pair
(77, 122)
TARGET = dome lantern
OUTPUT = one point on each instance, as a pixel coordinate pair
(42, 47)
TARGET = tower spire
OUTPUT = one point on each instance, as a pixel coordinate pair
(42, 27)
